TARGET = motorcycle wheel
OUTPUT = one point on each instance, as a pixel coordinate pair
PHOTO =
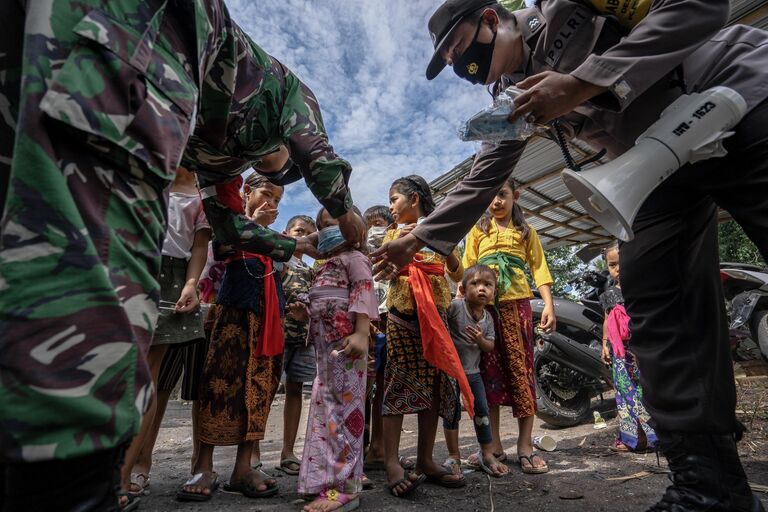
(759, 328)
(558, 407)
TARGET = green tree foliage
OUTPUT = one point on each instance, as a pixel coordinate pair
(565, 266)
(735, 246)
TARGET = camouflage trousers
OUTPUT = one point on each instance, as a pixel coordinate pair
(82, 225)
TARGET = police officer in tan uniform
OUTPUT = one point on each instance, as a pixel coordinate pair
(607, 69)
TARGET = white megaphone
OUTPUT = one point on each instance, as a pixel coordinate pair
(690, 129)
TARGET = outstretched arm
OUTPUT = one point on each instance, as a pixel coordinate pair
(326, 174)
(230, 226)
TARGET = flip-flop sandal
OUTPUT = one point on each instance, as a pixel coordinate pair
(183, 495)
(415, 484)
(531, 470)
(501, 457)
(485, 468)
(140, 481)
(249, 489)
(407, 463)
(439, 479)
(348, 503)
(473, 461)
(132, 503)
(367, 483)
(285, 466)
(452, 465)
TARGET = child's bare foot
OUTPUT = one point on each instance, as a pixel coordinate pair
(333, 500)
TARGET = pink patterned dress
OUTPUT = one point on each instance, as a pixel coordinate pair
(333, 450)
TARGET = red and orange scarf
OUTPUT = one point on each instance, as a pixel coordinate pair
(439, 350)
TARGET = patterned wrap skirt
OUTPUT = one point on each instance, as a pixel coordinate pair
(409, 380)
(507, 370)
(236, 388)
(633, 418)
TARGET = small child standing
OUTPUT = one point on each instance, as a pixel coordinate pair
(378, 219)
(635, 434)
(472, 331)
(299, 355)
(341, 304)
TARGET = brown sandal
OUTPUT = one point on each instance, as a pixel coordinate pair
(531, 469)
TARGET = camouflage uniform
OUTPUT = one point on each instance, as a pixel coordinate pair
(297, 280)
(107, 99)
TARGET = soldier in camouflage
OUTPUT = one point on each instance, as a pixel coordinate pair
(104, 102)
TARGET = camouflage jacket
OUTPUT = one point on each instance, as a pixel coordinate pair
(266, 105)
(297, 279)
(212, 96)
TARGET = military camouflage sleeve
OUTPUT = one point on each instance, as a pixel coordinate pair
(232, 228)
(326, 174)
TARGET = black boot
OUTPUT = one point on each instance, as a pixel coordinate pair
(706, 475)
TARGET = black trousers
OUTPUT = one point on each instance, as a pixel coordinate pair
(82, 484)
(670, 279)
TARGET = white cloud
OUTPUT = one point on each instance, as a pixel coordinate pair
(365, 61)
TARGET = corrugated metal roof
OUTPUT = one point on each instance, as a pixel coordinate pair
(550, 209)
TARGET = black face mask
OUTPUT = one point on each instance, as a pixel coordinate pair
(475, 63)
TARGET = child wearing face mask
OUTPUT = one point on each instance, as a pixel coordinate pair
(378, 219)
(340, 305)
(244, 362)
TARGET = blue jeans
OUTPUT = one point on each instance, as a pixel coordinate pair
(482, 419)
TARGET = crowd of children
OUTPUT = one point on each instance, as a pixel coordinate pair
(374, 351)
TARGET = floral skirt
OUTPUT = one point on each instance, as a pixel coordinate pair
(409, 380)
(236, 388)
(629, 402)
(508, 369)
(333, 450)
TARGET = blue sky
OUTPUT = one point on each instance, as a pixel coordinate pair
(365, 61)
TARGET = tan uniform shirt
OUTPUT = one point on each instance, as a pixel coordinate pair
(641, 69)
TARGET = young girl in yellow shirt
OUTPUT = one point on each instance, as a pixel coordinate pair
(504, 241)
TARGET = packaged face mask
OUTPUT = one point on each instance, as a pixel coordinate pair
(492, 123)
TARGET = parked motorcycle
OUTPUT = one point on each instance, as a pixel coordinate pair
(746, 287)
(567, 364)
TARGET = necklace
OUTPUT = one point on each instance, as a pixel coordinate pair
(249, 270)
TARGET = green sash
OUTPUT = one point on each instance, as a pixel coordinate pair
(506, 264)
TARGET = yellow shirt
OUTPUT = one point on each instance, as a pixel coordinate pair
(510, 241)
(400, 296)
